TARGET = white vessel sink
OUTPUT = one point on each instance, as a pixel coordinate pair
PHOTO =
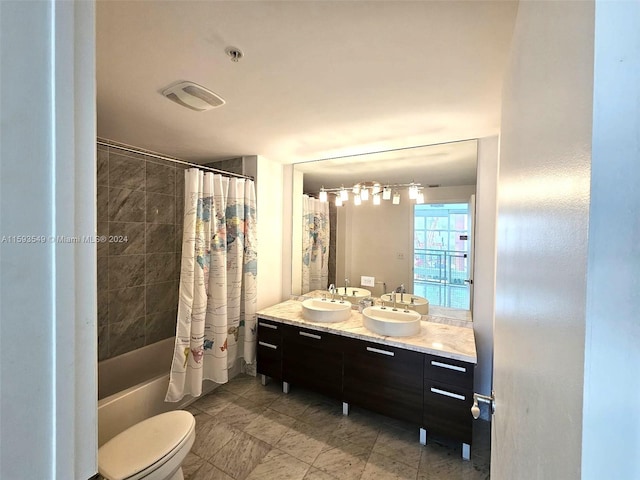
(420, 304)
(321, 310)
(386, 321)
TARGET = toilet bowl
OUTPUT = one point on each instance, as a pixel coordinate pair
(153, 449)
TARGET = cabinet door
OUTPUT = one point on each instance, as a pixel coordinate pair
(312, 359)
(269, 349)
(384, 379)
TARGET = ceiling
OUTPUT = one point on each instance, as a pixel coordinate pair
(318, 79)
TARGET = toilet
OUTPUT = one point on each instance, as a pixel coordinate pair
(153, 449)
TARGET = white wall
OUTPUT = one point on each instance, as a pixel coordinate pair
(611, 409)
(543, 208)
(48, 405)
(484, 269)
(273, 236)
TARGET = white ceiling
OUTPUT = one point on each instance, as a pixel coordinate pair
(319, 78)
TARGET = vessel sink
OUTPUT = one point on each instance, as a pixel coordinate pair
(324, 310)
(420, 304)
(386, 321)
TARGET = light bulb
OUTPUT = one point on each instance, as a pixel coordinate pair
(356, 189)
(376, 199)
(323, 195)
(396, 198)
(344, 194)
(386, 193)
(413, 192)
(420, 198)
(338, 201)
(364, 194)
(357, 200)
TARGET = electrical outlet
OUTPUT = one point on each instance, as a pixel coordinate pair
(400, 256)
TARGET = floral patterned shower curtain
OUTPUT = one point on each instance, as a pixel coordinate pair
(216, 324)
(315, 244)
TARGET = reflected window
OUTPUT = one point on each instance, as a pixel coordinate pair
(441, 254)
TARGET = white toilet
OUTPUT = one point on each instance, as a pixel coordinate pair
(153, 449)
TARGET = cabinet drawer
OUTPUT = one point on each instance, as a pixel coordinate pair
(447, 410)
(452, 372)
(269, 331)
(313, 338)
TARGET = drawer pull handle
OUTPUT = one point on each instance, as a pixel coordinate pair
(446, 365)
(383, 352)
(310, 335)
(448, 394)
(268, 325)
(268, 345)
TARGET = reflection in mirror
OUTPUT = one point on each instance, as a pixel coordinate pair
(375, 234)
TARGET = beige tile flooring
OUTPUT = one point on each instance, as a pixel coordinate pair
(248, 431)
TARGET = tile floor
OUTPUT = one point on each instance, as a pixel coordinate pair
(248, 431)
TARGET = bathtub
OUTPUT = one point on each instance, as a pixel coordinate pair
(132, 387)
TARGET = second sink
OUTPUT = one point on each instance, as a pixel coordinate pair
(389, 322)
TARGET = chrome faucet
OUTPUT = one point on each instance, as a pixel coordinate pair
(401, 290)
(346, 284)
(332, 291)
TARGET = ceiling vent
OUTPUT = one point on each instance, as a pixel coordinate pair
(193, 96)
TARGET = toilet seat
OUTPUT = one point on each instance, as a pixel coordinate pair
(146, 446)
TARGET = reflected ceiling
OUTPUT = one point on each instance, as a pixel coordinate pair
(449, 164)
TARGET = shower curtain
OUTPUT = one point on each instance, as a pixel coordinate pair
(315, 244)
(216, 324)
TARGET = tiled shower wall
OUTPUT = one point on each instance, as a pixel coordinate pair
(140, 211)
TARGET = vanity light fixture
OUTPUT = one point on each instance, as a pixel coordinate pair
(420, 198)
(363, 190)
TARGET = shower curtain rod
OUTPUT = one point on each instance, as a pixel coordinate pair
(174, 160)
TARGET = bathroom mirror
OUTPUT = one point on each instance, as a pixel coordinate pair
(384, 241)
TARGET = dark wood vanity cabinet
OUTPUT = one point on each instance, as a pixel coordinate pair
(312, 359)
(384, 379)
(269, 349)
(448, 397)
(433, 392)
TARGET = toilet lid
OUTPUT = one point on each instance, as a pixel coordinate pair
(144, 444)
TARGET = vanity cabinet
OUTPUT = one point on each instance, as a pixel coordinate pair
(448, 397)
(433, 392)
(384, 379)
(269, 349)
(312, 359)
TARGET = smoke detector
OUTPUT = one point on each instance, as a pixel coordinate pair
(193, 96)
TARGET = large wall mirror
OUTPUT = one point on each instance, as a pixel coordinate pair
(424, 244)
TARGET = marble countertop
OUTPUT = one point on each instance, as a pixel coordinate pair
(436, 337)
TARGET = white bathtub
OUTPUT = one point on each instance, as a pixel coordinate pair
(132, 387)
